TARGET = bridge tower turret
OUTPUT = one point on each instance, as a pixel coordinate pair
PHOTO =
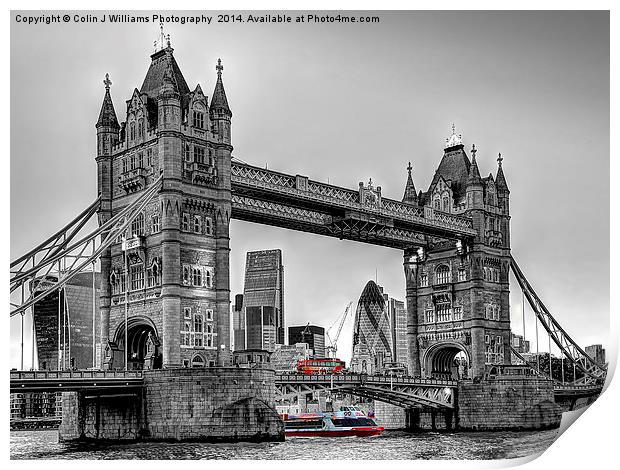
(219, 110)
(107, 137)
(171, 166)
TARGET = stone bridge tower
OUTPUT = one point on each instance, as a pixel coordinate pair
(172, 271)
(458, 293)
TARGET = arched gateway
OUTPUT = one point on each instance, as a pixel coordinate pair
(143, 351)
(447, 360)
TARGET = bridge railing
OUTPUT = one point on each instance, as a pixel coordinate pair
(362, 378)
(75, 374)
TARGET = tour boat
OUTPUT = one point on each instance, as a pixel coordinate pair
(340, 423)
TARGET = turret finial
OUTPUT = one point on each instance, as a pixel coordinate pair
(107, 82)
(409, 168)
(163, 40)
(454, 139)
(473, 150)
(499, 159)
(219, 67)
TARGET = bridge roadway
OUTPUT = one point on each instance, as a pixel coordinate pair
(296, 202)
(401, 391)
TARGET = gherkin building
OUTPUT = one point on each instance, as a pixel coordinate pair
(372, 347)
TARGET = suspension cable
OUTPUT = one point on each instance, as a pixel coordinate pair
(592, 371)
(109, 232)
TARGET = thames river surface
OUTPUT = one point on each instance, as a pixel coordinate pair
(390, 445)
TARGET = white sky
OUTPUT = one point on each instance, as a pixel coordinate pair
(344, 103)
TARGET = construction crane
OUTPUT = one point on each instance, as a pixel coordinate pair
(332, 348)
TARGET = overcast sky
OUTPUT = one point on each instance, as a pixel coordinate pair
(345, 103)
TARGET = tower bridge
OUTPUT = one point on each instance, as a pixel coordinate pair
(167, 188)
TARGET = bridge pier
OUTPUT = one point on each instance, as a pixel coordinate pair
(199, 404)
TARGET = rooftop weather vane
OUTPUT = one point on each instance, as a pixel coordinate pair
(163, 40)
(107, 82)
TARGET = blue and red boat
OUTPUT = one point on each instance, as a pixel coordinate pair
(346, 422)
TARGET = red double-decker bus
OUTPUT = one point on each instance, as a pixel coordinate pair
(320, 366)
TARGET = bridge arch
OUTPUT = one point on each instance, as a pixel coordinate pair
(447, 360)
(143, 351)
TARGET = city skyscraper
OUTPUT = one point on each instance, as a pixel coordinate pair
(73, 341)
(398, 330)
(379, 331)
(313, 336)
(372, 346)
(263, 300)
(238, 321)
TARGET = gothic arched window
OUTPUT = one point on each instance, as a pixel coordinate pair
(446, 204)
(197, 277)
(137, 226)
(198, 361)
(442, 274)
(198, 330)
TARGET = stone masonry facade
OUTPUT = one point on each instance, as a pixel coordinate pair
(201, 404)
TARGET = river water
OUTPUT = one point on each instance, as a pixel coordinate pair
(390, 445)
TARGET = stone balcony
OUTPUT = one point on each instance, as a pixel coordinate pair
(200, 174)
(133, 180)
(494, 238)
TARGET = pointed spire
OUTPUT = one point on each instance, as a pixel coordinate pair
(410, 196)
(474, 173)
(107, 115)
(219, 101)
(500, 179)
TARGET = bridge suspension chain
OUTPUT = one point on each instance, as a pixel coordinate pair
(593, 372)
(57, 255)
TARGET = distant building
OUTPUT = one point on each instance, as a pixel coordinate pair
(285, 358)
(372, 338)
(36, 405)
(398, 330)
(76, 323)
(252, 358)
(379, 332)
(313, 336)
(521, 345)
(597, 353)
(263, 300)
(238, 323)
